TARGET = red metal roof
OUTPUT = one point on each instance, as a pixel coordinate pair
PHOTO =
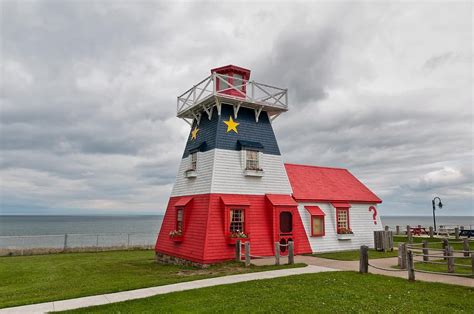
(240, 200)
(281, 200)
(183, 201)
(315, 211)
(231, 68)
(314, 183)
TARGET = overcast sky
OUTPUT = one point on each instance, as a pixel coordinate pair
(88, 96)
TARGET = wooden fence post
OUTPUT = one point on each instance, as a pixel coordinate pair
(425, 251)
(445, 248)
(387, 228)
(398, 230)
(456, 233)
(65, 242)
(402, 255)
(291, 253)
(409, 235)
(247, 254)
(466, 248)
(450, 260)
(277, 253)
(364, 259)
(238, 251)
(411, 266)
(431, 232)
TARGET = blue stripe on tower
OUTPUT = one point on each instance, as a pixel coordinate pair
(213, 133)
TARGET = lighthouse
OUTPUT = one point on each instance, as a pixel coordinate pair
(232, 183)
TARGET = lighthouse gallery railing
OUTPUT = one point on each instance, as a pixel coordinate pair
(244, 92)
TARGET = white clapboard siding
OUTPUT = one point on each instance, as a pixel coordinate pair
(222, 171)
(202, 183)
(229, 175)
(361, 223)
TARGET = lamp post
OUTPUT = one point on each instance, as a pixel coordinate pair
(440, 205)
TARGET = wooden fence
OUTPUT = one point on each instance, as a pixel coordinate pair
(409, 253)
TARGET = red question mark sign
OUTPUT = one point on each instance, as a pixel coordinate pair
(374, 217)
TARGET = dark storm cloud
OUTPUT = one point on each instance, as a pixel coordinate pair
(88, 95)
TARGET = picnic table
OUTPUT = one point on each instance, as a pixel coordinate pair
(418, 230)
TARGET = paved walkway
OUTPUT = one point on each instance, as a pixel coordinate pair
(380, 262)
(148, 292)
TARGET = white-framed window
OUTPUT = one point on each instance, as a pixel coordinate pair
(252, 160)
(236, 220)
(342, 219)
(194, 157)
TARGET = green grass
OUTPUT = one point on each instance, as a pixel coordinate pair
(353, 255)
(444, 268)
(41, 278)
(435, 243)
(332, 292)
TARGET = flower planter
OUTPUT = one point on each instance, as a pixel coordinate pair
(177, 239)
(253, 173)
(233, 241)
(190, 173)
(345, 236)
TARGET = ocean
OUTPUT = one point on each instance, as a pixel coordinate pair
(53, 225)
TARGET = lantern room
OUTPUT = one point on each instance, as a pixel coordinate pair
(232, 80)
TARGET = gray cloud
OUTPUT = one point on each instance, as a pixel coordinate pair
(88, 94)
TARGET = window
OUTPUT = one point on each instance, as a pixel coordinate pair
(179, 220)
(238, 80)
(286, 222)
(236, 220)
(251, 160)
(194, 161)
(317, 226)
(342, 218)
(223, 83)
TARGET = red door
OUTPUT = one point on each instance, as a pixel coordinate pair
(286, 230)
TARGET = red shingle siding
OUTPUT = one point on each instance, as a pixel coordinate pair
(327, 184)
(204, 237)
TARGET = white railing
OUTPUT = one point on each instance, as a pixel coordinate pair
(244, 91)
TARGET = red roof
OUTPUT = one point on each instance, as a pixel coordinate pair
(239, 200)
(281, 200)
(183, 201)
(315, 211)
(312, 183)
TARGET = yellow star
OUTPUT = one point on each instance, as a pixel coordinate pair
(194, 133)
(231, 125)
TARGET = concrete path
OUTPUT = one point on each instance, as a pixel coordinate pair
(148, 292)
(380, 262)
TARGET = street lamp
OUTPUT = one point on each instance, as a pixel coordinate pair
(440, 205)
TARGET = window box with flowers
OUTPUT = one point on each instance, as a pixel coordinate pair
(238, 236)
(345, 234)
(176, 236)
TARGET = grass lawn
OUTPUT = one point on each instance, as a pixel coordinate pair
(434, 243)
(41, 278)
(353, 255)
(444, 268)
(333, 292)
